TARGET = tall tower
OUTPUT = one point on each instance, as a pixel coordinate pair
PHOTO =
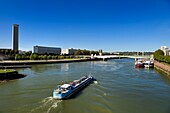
(15, 34)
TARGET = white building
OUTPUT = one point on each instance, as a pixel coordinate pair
(46, 50)
(165, 50)
(70, 51)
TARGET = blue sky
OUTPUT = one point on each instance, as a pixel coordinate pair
(111, 25)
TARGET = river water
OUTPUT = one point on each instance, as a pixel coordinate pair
(121, 88)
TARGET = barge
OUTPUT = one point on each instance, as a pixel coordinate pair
(67, 90)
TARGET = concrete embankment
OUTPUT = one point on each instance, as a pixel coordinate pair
(29, 62)
(163, 68)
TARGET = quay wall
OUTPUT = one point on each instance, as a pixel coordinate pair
(29, 62)
(163, 68)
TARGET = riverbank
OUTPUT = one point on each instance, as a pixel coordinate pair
(29, 62)
(9, 74)
(163, 68)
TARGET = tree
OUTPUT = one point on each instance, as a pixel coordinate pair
(167, 59)
(40, 57)
(24, 57)
(7, 51)
(15, 51)
(159, 52)
(11, 52)
(33, 56)
(78, 52)
(67, 57)
(54, 57)
(85, 52)
(92, 52)
(97, 52)
(45, 57)
(17, 57)
(28, 53)
(159, 55)
(60, 57)
(3, 51)
(49, 57)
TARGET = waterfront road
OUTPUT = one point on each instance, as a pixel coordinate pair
(161, 65)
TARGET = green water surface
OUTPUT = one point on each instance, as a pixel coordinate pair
(121, 88)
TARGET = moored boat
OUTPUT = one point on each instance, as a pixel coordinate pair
(66, 90)
(148, 64)
(139, 64)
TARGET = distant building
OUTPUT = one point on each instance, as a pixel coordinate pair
(15, 34)
(70, 51)
(100, 52)
(165, 50)
(46, 50)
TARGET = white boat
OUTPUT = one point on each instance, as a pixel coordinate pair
(148, 64)
(66, 90)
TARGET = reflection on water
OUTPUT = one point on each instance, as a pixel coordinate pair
(45, 67)
(120, 88)
(65, 67)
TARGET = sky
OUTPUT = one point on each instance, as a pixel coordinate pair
(110, 25)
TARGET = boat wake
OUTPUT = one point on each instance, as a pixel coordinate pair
(95, 82)
(47, 105)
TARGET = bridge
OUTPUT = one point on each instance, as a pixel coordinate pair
(105, 57)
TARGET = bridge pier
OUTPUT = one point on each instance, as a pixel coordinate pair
(104, 59)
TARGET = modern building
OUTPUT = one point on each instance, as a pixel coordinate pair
(15, 36)
(165, 50)
(70, 51)
(46, 50)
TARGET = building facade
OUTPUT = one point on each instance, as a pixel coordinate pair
(46, 50)
(15, 36)
(166, 50)
(70, 51)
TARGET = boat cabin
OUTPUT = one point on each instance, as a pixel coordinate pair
(65, 87)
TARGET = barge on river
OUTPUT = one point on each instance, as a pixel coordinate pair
(66, 90)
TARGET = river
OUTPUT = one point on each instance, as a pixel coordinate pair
(121, 88)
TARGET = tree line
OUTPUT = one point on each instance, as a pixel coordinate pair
(159, 56)
(35, 56)
(8, 52)
(86, 52)
(14, 55)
